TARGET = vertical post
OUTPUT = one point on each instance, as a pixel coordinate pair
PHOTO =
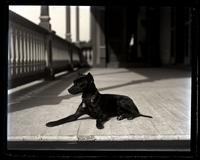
(44, 22)
(9, 51)
(68, 33)
(71, 59)
(49, 71)
(44, 18)
(93, 33)
(68, 23)
(77, 24)
(77, 34)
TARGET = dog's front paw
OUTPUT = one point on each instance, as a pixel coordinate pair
(100, 126)
(51, 124)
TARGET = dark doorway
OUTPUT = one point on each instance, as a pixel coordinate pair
(123, 43)
(147, 36)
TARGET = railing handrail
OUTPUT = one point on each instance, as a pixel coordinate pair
(63, 40)
(14, 17)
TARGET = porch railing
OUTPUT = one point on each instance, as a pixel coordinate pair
(87, 53)
(34, 52)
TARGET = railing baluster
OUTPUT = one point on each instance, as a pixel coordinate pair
(11, 51)
(36, 54)
(31, 54)
(18, 54)
(40, 44)
(22, 51)
(14, 52)
(26, 51)
(43, 55)
(39, 54)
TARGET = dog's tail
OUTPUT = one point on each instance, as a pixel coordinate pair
(142, 115)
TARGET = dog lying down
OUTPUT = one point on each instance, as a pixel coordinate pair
(99, 106)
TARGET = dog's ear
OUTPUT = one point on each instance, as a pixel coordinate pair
(90, 77)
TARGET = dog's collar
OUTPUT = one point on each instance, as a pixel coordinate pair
(92, 98)
(95, 96)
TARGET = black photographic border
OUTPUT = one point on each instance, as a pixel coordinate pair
(115, 153)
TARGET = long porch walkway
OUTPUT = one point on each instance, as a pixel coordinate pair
(162, 93)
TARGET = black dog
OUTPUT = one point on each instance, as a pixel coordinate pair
(99, 106)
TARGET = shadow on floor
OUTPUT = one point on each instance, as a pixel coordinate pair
(47, 96)
(151, 74)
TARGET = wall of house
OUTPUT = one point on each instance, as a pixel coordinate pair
(162, 36)
(141, 32)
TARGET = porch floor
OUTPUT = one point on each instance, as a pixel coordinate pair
(162, 93)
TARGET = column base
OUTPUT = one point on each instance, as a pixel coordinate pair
(49, 74)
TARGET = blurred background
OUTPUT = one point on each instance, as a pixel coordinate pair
(123, 36)
(145, 52)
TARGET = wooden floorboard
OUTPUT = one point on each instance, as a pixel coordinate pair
(164, 94)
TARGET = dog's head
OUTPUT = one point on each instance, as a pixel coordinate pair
(81, 83)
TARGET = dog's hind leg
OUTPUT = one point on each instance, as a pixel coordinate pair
(123, 116)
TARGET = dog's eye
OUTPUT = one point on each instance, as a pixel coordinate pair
(81, 85)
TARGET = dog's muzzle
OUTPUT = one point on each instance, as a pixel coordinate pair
(74, 90)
